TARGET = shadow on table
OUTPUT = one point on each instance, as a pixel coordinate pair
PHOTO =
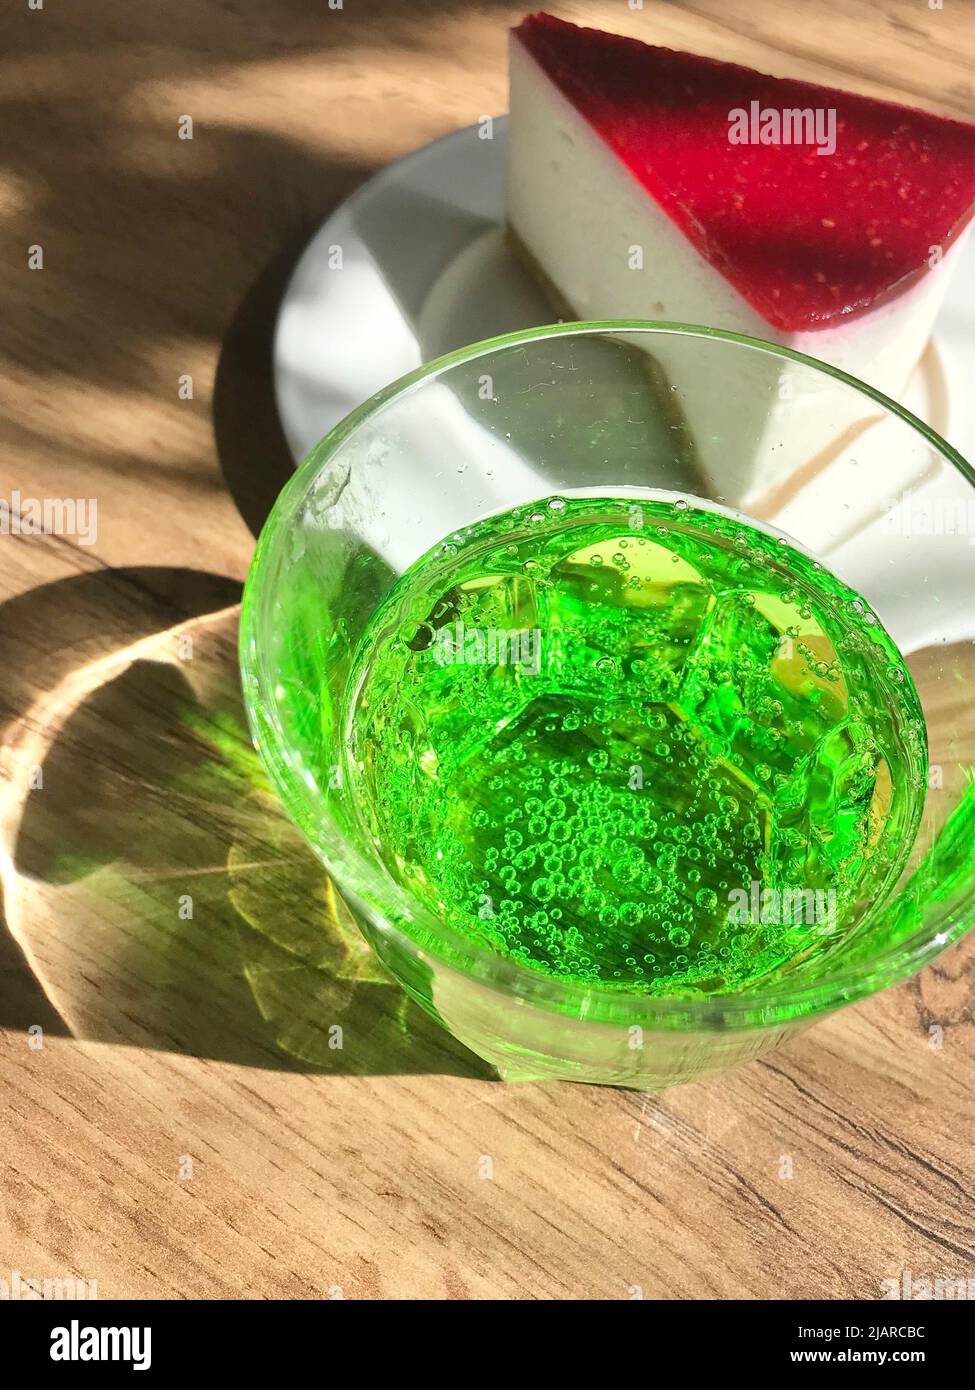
(260, 174)
(254, 456)
(152, 805)
(158, 890)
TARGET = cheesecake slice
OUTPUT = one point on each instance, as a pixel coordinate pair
(650, 184)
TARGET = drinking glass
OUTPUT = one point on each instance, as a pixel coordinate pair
(785, 443)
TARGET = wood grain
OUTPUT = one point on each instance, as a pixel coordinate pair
(315, 1171)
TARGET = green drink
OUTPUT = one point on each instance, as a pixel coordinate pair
(635, 742)
(622, 786)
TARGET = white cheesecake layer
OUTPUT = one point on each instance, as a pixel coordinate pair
(611, 252)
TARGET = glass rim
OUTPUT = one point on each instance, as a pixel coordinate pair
(587, 327)
(371, 889)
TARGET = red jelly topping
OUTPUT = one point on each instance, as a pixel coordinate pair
(806, 238)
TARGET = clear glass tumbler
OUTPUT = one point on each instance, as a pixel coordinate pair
(613, 409)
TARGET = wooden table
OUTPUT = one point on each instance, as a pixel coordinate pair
(183, 1130)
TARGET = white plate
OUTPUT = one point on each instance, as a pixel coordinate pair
(414, 265)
